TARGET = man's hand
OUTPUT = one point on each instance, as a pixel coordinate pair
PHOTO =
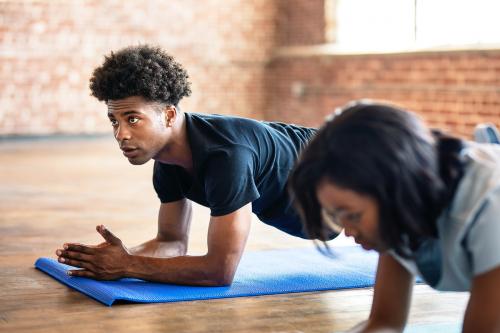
(106, 261)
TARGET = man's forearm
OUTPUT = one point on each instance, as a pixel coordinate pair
(186, 270)
(226, 240)
(160, 249)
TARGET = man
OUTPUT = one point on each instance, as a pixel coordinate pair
(234, 166)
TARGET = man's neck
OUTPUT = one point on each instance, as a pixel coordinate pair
(178, 151)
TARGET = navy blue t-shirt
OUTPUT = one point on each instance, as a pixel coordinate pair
(237, 161)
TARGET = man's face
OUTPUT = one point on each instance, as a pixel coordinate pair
(357, 214)
(139, 127)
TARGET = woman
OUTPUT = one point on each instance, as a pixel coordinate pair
(429, 204)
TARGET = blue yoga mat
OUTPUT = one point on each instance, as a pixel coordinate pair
(259, 273)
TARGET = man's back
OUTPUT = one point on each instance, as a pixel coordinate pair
(237, 161)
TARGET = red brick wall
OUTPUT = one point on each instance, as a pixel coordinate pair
(452, 90)
(232, 50)
(48, 49)
(300, 22)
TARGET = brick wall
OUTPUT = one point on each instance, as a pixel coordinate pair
(300, 22)
(450, 90)
(48, 49)
(233, 51)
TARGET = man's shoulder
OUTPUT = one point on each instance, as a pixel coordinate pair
(209, 132)
(220, 120)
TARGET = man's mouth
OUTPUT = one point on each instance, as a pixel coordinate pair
(129, 151)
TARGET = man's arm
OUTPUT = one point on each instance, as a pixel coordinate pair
(483, 310)
(227, 237)
(391, 300)
(174, 219)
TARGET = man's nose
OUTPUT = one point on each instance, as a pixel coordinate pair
(122, 133)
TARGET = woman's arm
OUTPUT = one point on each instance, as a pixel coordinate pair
(483, 310)
(391, 300)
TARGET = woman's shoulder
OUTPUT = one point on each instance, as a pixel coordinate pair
(484, 156)
(481, 178)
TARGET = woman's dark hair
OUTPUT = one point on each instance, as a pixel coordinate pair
(140, 71)
(388, 154)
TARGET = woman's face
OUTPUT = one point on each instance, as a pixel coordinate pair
(356, 213)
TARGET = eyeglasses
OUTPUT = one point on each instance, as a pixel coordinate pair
(337, 220)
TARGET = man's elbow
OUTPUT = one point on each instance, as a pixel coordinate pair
(222, 276)
(222, 281)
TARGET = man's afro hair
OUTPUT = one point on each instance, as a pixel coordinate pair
(144, 71)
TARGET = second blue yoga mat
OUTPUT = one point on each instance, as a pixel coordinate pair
(259, 273)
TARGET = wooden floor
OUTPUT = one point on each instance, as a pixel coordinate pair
(53, 191)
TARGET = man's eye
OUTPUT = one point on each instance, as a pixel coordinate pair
(113, 122)
(133, 120)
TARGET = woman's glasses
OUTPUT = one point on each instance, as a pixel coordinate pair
(336, 220)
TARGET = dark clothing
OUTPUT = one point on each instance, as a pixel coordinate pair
(237, 161)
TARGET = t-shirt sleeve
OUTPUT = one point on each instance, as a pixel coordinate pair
(166, 183)
(230, 180)
(483, 238)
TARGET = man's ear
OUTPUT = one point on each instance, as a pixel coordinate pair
(170, 115)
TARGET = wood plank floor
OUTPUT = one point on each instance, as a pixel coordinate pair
(53, 191)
